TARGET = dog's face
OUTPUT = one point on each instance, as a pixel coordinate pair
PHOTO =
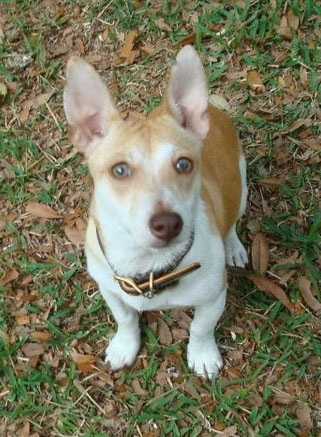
(147, 171)
(146, 176)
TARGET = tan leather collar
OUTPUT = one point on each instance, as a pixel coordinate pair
(154, 282)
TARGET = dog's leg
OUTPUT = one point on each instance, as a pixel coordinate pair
(235, 253)
(125, 345)
(203, 355)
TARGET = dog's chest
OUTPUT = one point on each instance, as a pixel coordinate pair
(194, 289)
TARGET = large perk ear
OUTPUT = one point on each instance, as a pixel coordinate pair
(187, 93)
(87, 103)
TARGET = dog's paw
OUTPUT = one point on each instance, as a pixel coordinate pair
(122, 351)
(236, 255)
(204, 359)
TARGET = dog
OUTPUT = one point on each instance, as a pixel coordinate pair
(168, 190)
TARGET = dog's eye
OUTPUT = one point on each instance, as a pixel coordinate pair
(183, 165)
(121, 170)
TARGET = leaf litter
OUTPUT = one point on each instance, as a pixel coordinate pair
(47, 230)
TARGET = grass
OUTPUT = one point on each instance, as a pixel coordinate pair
(49, 307)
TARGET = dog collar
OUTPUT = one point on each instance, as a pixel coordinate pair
(154, 282)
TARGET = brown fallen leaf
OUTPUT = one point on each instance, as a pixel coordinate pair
(283, 398)
(9, 276)
(33, 349)
(75, 231)
(164, 333)
(138, 388)
(127, 53)
(273, 289)
(271, 182)
(303, 413)
(260, 253)
(23, 320)
(254, 81)
(297, 124)
(42, 210)
(41, 335)
(6, 170)
(230, 431)
(83, 362)
(293, 20)
(160, 23)
(188, 40)
(41, 99)
(307, 294)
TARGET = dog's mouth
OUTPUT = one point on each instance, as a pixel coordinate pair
(178, 249)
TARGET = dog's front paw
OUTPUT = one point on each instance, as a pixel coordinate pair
(122, 351)
(236, 255)
(204, 359)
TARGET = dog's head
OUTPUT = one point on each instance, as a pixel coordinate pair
(146, 172)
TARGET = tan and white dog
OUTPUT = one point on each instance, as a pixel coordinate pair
(168, 190)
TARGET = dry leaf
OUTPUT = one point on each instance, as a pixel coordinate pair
(297, 124)
(289, 25)
(41, 335)
(162, 25)
(8, 277)
(75, 232)
(138, 388)
(164, 333)
(293, 20)
(147, 48)
(83, 362)
(273, 289)
(127, 52)
(41, 210)
(260, 253)
(282, 398)
(22, 320)
(254, 81)
(41, 99)
(233, 372)
(303, 75)
(303, 413)
(310, 300)
(4, 336)
(271, 182)
(33, 349)
(6, 169)
(230, 431)
(239, 76)
(188, 40)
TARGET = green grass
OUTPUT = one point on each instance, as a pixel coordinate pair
(272, 357)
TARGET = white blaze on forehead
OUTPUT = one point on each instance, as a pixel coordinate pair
(154, 161)
(164, 153)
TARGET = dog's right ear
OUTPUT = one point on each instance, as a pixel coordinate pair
(87, 103)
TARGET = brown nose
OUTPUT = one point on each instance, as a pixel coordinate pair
(166, 225)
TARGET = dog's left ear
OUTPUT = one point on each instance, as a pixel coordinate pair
(187, 93)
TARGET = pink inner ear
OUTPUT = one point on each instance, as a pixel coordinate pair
(187, 95)
(92, 124)
(88, 106)
(82, 135)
